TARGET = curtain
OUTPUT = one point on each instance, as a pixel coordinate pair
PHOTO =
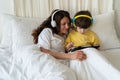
(43, 8)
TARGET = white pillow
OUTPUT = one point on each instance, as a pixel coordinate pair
(0, 28)
(104, 27)
(6, 30)
(21, 31)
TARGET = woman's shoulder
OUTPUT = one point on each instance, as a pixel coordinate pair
(47, 31)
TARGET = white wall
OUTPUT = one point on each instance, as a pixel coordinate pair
(6, 6)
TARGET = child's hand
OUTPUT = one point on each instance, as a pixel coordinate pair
(69, 46)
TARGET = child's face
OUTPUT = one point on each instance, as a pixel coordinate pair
(82, 30)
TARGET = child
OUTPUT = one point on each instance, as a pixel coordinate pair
(81, 36)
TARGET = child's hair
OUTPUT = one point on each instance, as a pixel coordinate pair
(82, 19)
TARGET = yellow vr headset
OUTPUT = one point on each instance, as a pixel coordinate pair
(78, 16)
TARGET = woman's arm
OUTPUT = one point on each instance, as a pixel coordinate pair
(77, 55)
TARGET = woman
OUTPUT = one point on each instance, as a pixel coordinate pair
(57, 28)
(50, 35)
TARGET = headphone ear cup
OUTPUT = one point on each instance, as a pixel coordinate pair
(92, 20)
(73, 22)
(53, 23)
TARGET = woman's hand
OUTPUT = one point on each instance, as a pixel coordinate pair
(78, 55)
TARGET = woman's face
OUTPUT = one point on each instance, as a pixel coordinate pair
(64, 25)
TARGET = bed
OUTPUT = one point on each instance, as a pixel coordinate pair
(15, 32)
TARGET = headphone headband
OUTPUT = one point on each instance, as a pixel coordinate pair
(53, 23)
(73, 20)
(83, 16)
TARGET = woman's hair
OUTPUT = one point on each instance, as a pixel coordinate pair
(83, 22)
(47, 24)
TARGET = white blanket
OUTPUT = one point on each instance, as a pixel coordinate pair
(30, 64)
(95, 67)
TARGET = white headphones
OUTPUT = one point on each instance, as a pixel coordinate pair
(53, 23)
